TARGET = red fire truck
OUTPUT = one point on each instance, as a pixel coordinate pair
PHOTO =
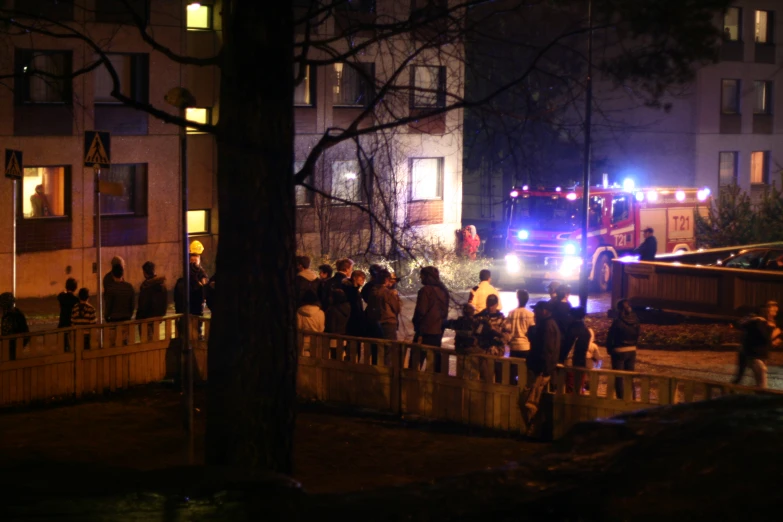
(543, 237)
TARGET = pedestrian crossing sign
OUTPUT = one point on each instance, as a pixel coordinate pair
(13, 164)
(97, 149)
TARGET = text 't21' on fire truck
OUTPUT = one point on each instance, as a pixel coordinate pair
(544, 234)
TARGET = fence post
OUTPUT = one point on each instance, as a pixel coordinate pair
(78, 368)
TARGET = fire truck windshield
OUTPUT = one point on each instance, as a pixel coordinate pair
(545, 212)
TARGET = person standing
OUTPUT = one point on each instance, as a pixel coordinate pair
(40, 203)
(309, 316)
(119, 297)
(306, 279)
(760, 334)
(621, 343)
(578, 337)
(67, 299)
(491, 335)
(83, 314)
(197, 280)
(649, 247)
(541, 361)
(153, 295)
(480, 292)
(390, 305)
(561, 313)
(108, 279)
(518, 323)
(13, 321)
(356, 322)
(344, 268)
(338, 314)
(432, 308)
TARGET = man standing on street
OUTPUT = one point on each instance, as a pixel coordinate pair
(119, 297)
(760, 334)
(541, 361)
(480, 292)
(649, 246)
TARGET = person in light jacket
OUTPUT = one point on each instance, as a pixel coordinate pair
(309, 316)
(480, 292)
(518, 323)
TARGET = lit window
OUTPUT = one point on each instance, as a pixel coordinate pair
(304, 91)
(759, 167)
(428, 87)
(43, 192)
(199, 16)
(727, 174)
(198, 221)
(198, 115)
(426, 178)
(133, 200)
(346, 181)
(764, 27)
(103, 81)
(730, 90)
(763, 93)
(732, 24)
(303, 196)
(354, 84)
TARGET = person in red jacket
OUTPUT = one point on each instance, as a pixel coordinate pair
(470, 242)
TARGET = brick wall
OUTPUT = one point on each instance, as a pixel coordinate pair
(425, 213)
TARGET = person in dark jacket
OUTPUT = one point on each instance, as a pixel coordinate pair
(621, 342)
(329, 286)
(352, 291)
(153, 295)
(464, 327)
(541, 361)
(760, 334)
(577, 338)
(108, 279)
(305, 279)
(12, 321)
(120, 297)
(432, 308)
(649, 246)
(67, 300)
(338, 314)
(561, 313)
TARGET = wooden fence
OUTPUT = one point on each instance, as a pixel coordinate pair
(396, 377)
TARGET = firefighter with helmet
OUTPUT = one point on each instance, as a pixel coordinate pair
(198, 280)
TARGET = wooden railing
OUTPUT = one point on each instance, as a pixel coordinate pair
(710, 291)
(397, 377)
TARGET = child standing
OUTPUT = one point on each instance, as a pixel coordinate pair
(67, 301)
(83, 313)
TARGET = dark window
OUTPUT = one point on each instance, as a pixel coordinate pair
(727, 170)
(596, 211)
(57, 10)
(750, 260)
(349, 178)
(358, 6)
(732, 24)
(43, 215)
(44, 77)
(122, 11)
(304, 91)
(428, 87)
(354, 84)
(133, 74)
(304, 197)
(133, 201)
(730, 97)
(428, 8)
(620, 208)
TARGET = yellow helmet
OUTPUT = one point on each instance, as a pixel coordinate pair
(196, 248)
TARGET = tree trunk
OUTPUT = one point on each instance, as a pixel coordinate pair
(252, 355)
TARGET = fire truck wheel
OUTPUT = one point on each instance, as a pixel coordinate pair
(602, 278)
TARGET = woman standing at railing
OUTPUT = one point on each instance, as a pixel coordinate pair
(621, 343)
(13, 322)
(432, 310)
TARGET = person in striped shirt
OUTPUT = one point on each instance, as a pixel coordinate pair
(83, 313)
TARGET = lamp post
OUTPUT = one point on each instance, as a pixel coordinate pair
(182, 99)
(585, 272)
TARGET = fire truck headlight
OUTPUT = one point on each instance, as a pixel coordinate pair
(570, 266)
(523, 234)
(680, 196)
(640, 196)
(569, 249)
(513, 265)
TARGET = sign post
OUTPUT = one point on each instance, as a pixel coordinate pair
(97, 154)
(14, 171)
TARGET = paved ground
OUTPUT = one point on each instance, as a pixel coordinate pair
(141, 429)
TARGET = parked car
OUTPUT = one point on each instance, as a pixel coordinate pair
(755, 259)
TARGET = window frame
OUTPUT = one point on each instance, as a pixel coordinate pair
(207, 221)
(735, 176)
(370, 87)
(765, 167)
(141, 208)
(440, 181)
(22, 57)
(313, 79)
(67, 195)
(770, 36)
(139, 80)
(768, 90)
(737, 95)
(739, 24)
(625, 198)
(440, 93)
(362, 182)
(210, 18)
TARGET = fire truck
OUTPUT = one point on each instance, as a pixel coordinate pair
(544, 229)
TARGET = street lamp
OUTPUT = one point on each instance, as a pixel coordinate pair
(181, 98)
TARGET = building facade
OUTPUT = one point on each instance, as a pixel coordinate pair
(409, 175)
